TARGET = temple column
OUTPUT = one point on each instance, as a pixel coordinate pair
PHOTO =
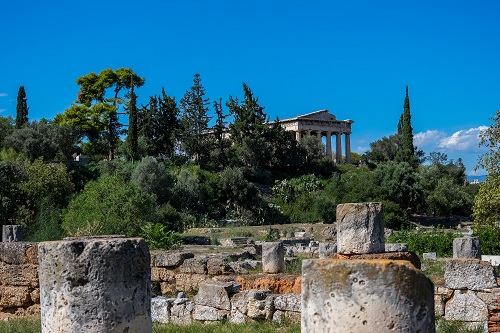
(348, 148)
(297, 136)
(338, 148)
(329, 146)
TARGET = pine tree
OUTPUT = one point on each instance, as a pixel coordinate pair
(406, 149)
(219, 132)
(21, 108)
(195, 120)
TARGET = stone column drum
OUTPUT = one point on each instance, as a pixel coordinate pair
(466, 247)
(95, 284)
(273, 257)
(365, 296)
(360, 228)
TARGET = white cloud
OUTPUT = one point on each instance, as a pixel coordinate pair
(3, 94)
(362, 150)
(460, 141)
(463, 140)
(428, 138)
(3, 110)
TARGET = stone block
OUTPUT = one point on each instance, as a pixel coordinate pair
(95, 284)
(273, 257)
(216, 294)
(493, 260)
(160, 309)
(472, 274)
(360, 228)
(218, 266)
(408, 256)
(170, 258)
(208, 313)
(252, 304)
(466, 306)
(168, 288)
(326, 249)
(162, 274)
(396, 247)
(182, 314)
(12, 233)
(196, 265)
(17, 253)
(288, 302)
(365, 296)
(429, 256)
(14, 297)
(19, 275)
(466, 247)
(189, 283)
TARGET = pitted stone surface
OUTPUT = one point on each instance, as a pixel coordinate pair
(216, 294)
(360, 228)
(208, 313)
(197, 265)
(273, 257)
(253, 304)
(326, 249)
(365, 296)
(472, 274)
(466, 247)
(466, 306)
(95, 285)
(288, 302)
(17, 253)
(408, 256)
(160, 309)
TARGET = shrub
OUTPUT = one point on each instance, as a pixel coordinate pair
(489, 237)
(159, 237)
(421, 241)
(395, 217)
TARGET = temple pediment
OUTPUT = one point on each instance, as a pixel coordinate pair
(318, 115)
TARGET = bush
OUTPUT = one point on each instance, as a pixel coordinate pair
(489, 237)
(395, 217)
(421, 241)
(159, 237)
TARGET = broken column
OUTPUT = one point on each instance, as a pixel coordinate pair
(466, 247)
(95, 284)
(273, 257)
(360, 228)
(12, 233)
(372, 296)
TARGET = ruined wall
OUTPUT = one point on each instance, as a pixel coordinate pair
(19, 288)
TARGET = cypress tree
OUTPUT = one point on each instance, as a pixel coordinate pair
(406, 149)
(131, 140)
(21, 108)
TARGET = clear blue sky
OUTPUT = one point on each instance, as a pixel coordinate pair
(353, 58)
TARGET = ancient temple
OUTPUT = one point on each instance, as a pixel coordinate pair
(323, 124)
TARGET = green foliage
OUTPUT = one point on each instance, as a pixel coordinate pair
(272, 235)
(110, 205)
(434, 270)
(225, 327)
(194, 121)
(152, 177)
(132, 132)
(452, 326)
(490, 161)
(395, 217)
(21, 325)
(6, 127)
(421, 241)
(489, 236)
(406, 150)
(236, 190)
(383, 150)
(47, 224)
(399, 183)
(486, 209)
(159, 237)
(12, 175)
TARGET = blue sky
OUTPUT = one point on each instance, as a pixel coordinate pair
(353, 58)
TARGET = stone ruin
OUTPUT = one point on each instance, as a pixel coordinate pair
(360, 284)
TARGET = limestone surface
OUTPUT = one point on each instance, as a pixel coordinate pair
(466, 306)
(216, 294)
(12, 233)
(396, 247)
(273, 257)
(326, 249)
(466, 247)
(472, 274)
(365, 296)
(95, 285)
(408, 256)
(169, 258)
(360, 228)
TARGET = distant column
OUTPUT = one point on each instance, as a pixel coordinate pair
(348, 148)
(338, 148)
(329, 146)
(297, 136)
(318, 135)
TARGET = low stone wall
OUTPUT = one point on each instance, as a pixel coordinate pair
(224, 301)
(19, 287)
